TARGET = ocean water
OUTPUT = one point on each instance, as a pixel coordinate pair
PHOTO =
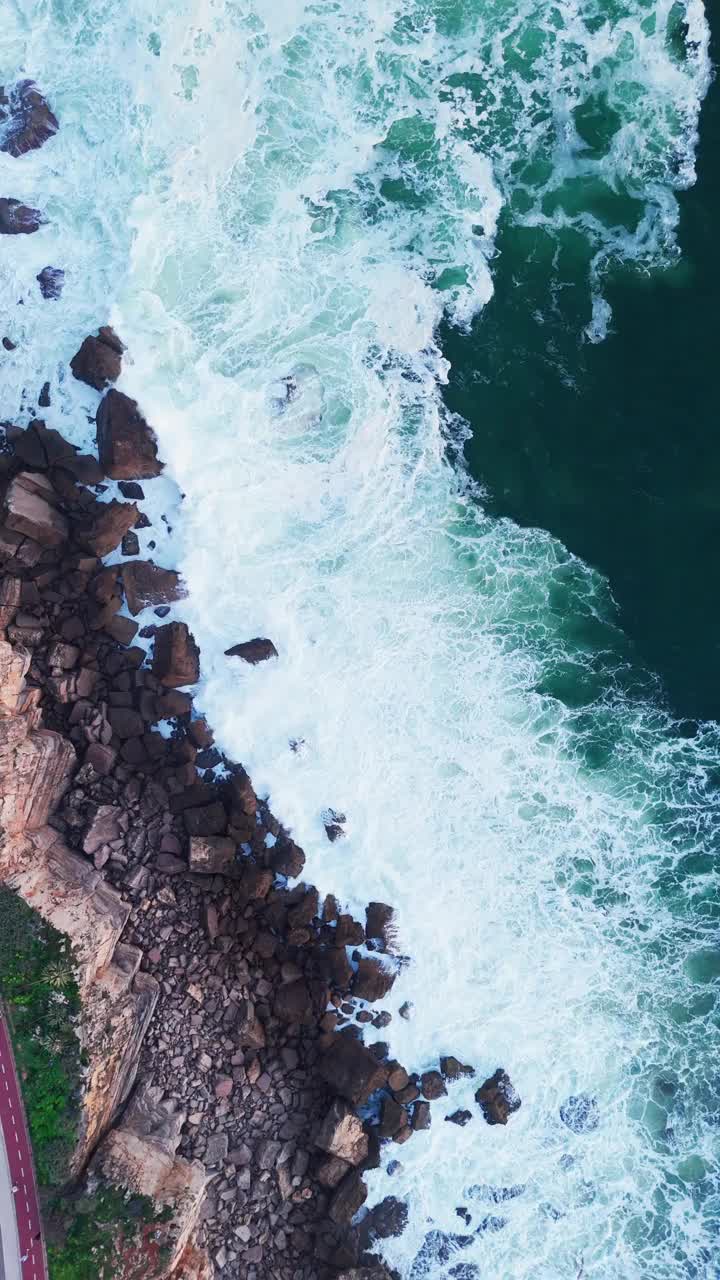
(282, 207)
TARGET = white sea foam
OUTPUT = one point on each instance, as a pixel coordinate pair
(280, 201)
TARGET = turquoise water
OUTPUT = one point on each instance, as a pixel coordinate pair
(296, 215)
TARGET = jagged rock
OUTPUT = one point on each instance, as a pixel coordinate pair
(379, 923)
(460, 1118)
(176, 659)
(351, 1070)
(421, 1116)
(497, 1098)
(212, 855)
(146, 583)
(253, 651)
(99, 361)
(30, 510)
(10, 593)
(104, 827)
(108, 525)
(26, 121)
(580, 1113)
(206, 820)
(341, 1134)
(348, 1199)
(372, 980)
(393, 1118)
(332, 1171)
(293, 1002)
(348, 932)
(287, 858)
(127, 446)
(51, 281)
(386, 1219)
(18, 219)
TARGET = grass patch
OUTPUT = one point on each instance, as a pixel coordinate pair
(38, 986)
(107, 1234)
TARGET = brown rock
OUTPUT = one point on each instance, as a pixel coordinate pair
(453, 1069)
(253, 651)
(293, 1002)
(459, 1118)
(99, 360)
(372, 980)
(421, 1116)
(287, 858)
(349, 932)
(10, 593)
(348, 1199)
(26, 121)
(208, 820)
(398, 1078)
(30, 510)
(101, 758)
(145, 583)
(432, 1085)
(211, 855)
(332, 1171)
(497, 1098)
(17, 219)
(125, 722)
(341, 1134)
(335, 965)
(127, 446)
(351, 1070)
(109, 523)
(103, 828)
(379, 920)
(393, 1118)
(223, 1087)
(176, 659)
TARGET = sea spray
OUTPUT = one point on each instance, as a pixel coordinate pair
(281, 202)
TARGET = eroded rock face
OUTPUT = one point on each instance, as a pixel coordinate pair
(126, 443)
(99, 360)
(497, 1098)
(18, 219)
(26, 121)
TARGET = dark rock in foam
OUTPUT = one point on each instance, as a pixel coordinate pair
(26, 120)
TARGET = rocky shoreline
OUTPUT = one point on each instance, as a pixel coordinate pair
(251, 1064)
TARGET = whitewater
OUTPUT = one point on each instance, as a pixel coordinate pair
(276, 204)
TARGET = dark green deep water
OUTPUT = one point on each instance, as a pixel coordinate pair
(614, 447)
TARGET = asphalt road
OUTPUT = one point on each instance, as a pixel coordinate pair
(20, 1223)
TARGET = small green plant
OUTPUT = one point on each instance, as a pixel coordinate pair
(107, 1234)
(38, 987)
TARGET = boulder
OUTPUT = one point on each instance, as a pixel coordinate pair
(393, 1118)
(109, 522)
(341, 1134)
(211, 855)
(30, 510)
(378, 923)
(253, 651)
(51, 281)
(351, 1070)
(293, 1002)
(206, 820)
(497, 1098)
(372, 980)
(287, 858)
(127, 446)
(104, 827)
(26, 121)
(386, 1219)
(332, 1172)
(145, 583)
(99, 360)
(348, 1199)
(453, 1069)
(460, 1118)
(421, 1116)
(18, 219)
(432, 1085)
(176, 659)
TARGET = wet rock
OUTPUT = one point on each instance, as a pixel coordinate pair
(497, 1098)
(51, 281)
(211, 855)
(393, 1118)
(253, 651)
(379, 923)
(26, 121)
(387, 1219)
(287, 858)
(372, 980)
(99, 361)
(334, 825)
(421, 1116)
(146, 583)
(348, 1199)
(432, 1085)
(30, 510)
(127, 446)
(348, 932)
(351, 1070)
(460, 1118)
(293, 1002)
(453, 1069)
(176, 659)
(580, 1113)
(18, 219)
(341, 1134)
(332, 1171)
(438, 1248)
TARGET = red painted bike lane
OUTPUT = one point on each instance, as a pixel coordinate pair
(19, 1156)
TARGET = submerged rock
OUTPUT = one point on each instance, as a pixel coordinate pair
(497, 1098)
(18, 219)
(26, 121)
(51, 281)
(580, 1113)
(253, 651)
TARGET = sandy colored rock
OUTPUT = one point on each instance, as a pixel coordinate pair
(341, 1134)
(30, 510)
